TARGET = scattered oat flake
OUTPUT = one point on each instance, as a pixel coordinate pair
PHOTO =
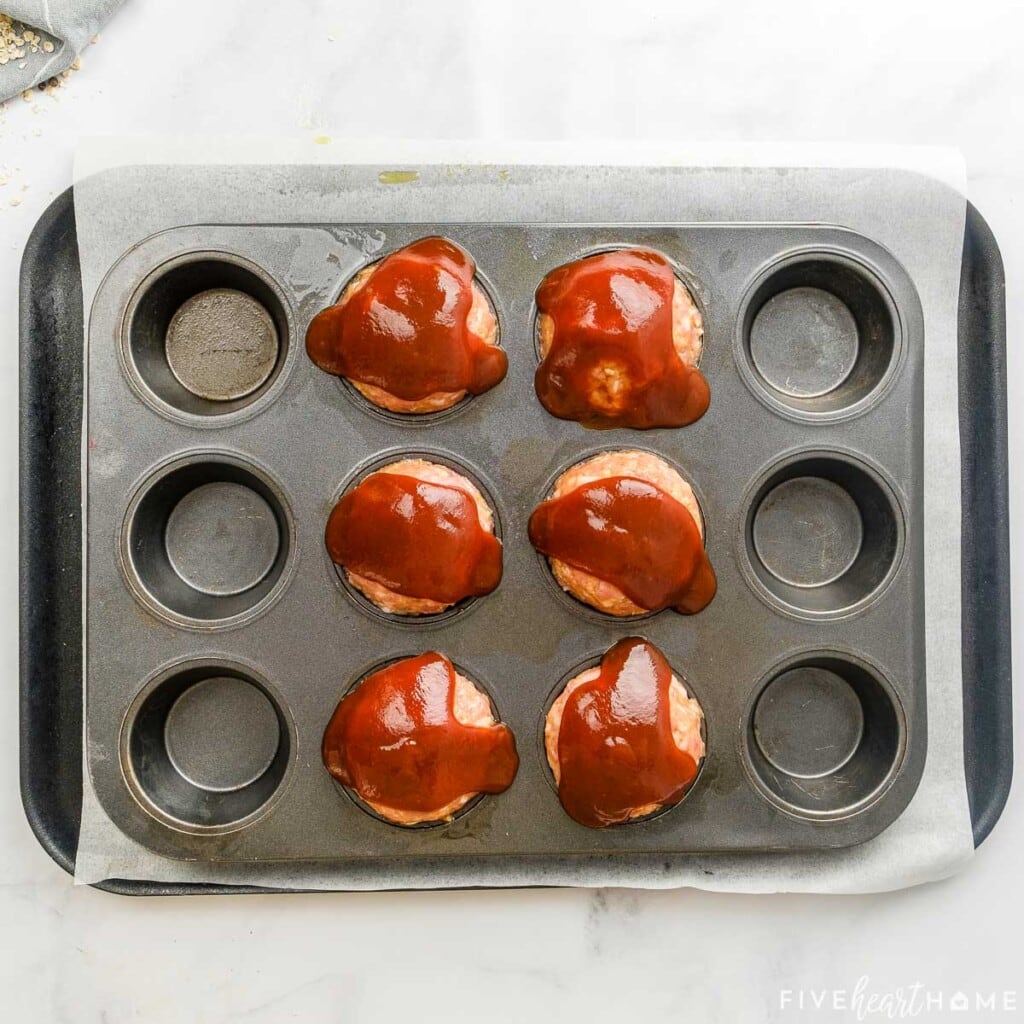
(15, 200)
(321, 140)
(14, 43)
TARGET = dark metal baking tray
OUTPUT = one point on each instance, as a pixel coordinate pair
(51, 649)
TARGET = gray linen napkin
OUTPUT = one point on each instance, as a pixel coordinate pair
(64, 27)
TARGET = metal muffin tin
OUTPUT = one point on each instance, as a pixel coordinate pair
(811, 486)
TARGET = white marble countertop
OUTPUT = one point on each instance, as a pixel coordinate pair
(882, 72)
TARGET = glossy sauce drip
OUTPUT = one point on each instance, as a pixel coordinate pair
(612, 362)
(396, 741)
(405, 331)
(632, 534)
(616, 753)
(415, 538)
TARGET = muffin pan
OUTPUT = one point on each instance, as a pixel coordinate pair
(220, 636)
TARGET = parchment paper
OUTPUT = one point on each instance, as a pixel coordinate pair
(920, 219)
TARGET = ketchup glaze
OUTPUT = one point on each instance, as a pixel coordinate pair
(632, 534)
(395, 740)
(616, 752)
(405, 330)
(612, 360)
(414, 537)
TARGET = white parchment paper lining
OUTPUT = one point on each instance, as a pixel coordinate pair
(919, 218)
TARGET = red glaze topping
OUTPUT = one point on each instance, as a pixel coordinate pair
(616, 753)
(396, 741)
(632, 534)
(612, 362)
(405, 330)
(416, 538)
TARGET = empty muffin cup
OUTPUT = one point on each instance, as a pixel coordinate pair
(205, 335)
(819, 336)
(823, 535)
(825, 736)
(206, 541)
(205, 747)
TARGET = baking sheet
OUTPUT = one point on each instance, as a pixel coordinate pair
(920, 220)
